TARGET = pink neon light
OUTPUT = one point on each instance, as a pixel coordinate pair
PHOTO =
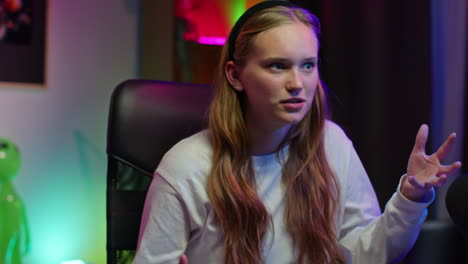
(212, 40)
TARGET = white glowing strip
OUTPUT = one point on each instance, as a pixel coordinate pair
(73, 262)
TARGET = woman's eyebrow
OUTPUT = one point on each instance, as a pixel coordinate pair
(276, 59)
(310, 59)
(287, 59)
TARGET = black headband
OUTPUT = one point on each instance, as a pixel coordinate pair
(248, 14)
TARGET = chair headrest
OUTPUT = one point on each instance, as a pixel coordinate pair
(148, 117)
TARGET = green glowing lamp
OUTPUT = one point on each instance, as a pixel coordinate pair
(14, 232)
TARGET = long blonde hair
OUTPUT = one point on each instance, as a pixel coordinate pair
(312, 190)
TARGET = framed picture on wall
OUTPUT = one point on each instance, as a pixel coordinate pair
(23, 42)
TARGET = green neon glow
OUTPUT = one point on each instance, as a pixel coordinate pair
(69, 213)
(237, 8)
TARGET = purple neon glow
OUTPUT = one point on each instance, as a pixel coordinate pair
(211, 40)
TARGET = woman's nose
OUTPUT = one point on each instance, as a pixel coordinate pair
(294, 84)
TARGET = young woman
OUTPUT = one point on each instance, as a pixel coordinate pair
(272, 180)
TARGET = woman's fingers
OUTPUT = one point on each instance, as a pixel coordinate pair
(421, 139)
(436, 182)
(440, 181)
(445, 148)
(449, 169)
(417, 184)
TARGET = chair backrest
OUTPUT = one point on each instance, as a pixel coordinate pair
(456, 205)
(146, 119)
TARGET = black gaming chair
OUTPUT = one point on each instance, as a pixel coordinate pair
(146, 119)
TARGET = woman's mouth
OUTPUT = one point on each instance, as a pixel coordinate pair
(293, 104)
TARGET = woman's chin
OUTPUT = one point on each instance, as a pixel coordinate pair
(291, 120)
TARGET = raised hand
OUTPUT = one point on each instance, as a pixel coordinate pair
(425, 172)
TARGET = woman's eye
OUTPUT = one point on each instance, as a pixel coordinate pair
(309, 65)
(276, 66)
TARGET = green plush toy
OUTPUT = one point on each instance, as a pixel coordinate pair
(14, 233)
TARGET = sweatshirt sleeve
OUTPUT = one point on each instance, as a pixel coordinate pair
(176, 208)
(366, 235)
(165, 228)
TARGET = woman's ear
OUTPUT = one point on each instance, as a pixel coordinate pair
(232, 75)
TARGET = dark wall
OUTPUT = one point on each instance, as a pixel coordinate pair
(375, 58)
(465, 141)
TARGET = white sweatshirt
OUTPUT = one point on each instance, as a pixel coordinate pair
(178, 217)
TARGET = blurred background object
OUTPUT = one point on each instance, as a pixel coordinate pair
(14, 230)
(16, 16)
